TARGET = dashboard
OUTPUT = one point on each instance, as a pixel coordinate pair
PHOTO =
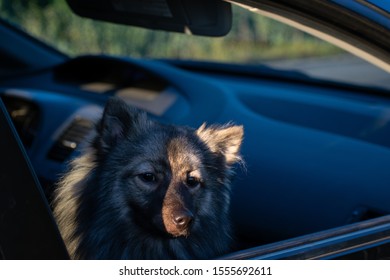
(317, 154)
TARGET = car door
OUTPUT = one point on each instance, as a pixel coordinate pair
(27, 228)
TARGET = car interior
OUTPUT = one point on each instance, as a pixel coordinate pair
(316, 152)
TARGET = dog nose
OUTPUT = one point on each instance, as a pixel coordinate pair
(183, 219)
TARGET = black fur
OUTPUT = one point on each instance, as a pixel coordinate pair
(144, 190)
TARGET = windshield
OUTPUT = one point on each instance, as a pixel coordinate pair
(254, 39)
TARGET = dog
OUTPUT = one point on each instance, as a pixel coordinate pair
(147, 190)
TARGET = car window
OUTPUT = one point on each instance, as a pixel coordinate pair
(254, 39)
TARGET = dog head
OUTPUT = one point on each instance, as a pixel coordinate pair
(168, 179)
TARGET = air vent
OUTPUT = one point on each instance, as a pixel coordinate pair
(69, 140)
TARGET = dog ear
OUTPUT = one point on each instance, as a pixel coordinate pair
(225, 140)
(118, 120)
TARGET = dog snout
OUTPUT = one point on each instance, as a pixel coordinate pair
(182, 219)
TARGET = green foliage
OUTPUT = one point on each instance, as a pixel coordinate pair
(252, 38)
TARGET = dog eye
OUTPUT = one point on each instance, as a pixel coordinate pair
(148, 177)
(192, 182)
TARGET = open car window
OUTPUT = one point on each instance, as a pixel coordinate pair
(359, 241)
(254, 40)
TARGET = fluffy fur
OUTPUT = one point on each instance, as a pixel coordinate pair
(145, 190)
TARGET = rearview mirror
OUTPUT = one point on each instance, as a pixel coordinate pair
(198, 17)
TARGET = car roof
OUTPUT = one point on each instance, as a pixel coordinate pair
(376, 10)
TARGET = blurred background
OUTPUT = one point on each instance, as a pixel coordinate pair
(254, 38)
